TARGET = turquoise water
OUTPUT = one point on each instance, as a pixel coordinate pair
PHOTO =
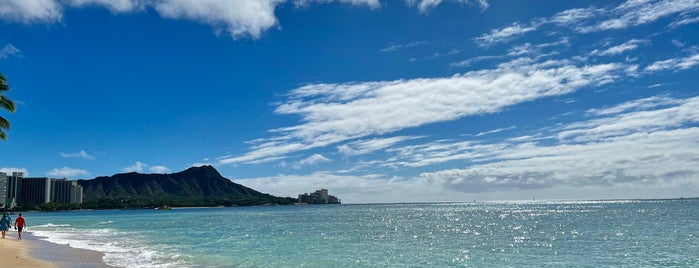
(662, 233)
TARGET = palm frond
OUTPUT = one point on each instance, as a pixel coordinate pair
(7, 104)
(4, 124)
(3, 83)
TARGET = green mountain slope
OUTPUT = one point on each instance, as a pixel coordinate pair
(194, 186)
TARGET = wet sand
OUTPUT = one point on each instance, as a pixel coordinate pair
(33, 252)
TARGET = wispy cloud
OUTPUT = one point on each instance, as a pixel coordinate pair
(586, 20)
(367, 146)
(636, 105)
(8, 51)
(116, 6)
(504, 34)
(638, 120)
(424, 6)
(334, 113)
(81, 154)
(618, 49)
(369, 3)
(469, 62)
(643, 142)
(675, 64)
(66, 172)
(634, 13)
(495, 131)
(403, 46)
(365, 188)
(685, 21)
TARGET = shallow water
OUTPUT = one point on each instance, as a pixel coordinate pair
(659, 233)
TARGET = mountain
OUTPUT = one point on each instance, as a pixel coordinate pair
(194, 186)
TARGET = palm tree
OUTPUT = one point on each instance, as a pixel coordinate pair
(5, 103)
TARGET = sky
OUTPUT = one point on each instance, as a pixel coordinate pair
(376, 101)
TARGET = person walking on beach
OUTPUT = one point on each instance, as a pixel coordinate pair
(4, 224)
(19, 225)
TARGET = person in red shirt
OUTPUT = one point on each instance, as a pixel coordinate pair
(19, 225)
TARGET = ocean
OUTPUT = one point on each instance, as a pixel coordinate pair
(621, 233)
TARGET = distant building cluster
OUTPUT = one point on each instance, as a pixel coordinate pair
(318, 197)
(16, 189)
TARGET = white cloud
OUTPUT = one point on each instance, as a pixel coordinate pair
(66, 172)
(9, 50)
(574, 16)
(31, 11)
(136, 167)
(674, 64)
(424, 6)
(314, 160)
(403, 46)
(646, 149)
(615, 50)
(684, 21)
(368, 146)
(238, 18)
(369, 3)
(642, 143)
(439, 151)
(662, 159)
(636, 105)
(494, 131)
(334, 113)
(113, 5)
(159, 169)
(354, 189)
(82, 154)
(9, 170)
(469, 62)
(637, 121)
(139, 167)
(639, 148)
(586, 20)
(504, 34)
(634, 13)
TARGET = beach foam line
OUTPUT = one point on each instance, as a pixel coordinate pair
(116, 248)
(58, 255)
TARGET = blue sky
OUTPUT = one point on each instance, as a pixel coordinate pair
(378, 101)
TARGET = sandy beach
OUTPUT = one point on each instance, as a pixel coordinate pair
(33, 252)
(15, 253)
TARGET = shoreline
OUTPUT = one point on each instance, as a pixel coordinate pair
(31, 251)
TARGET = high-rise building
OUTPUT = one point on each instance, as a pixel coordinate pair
(35, 190)
(39, 190)
(65, 191)
(3, 189)
(9, 188)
